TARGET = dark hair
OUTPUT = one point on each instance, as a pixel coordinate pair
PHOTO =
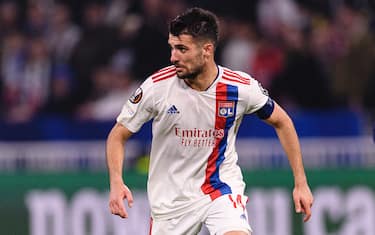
(198, 23)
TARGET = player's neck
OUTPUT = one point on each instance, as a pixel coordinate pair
(205, 79)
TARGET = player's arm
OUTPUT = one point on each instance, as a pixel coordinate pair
(286, 132)
(115, 148)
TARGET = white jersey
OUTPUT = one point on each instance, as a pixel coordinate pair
(193, 158)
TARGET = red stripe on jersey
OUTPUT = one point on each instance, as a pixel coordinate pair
(215, 194)
(207, 188)
(231, 199)
(228, 71)
(163, 72)
(164, 75)
(239, 201)
(233, 79)
(163, 69)
(151, 222)
(233, 74)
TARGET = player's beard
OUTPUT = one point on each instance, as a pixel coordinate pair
(192, 73)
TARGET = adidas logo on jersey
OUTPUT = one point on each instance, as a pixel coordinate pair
(173, 110)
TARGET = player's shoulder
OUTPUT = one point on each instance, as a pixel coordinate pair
(163, 74)
(236, 77)
(158, 81)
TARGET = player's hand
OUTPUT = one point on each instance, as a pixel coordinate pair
(303, 200)
(120, 192)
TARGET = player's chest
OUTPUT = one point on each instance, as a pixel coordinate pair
(199, 109)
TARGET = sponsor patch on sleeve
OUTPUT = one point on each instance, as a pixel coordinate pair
(137, 96)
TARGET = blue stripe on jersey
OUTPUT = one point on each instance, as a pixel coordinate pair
(232, 95)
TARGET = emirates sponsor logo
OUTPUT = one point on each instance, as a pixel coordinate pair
(199, 137)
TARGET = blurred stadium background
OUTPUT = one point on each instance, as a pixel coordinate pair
(66, 68)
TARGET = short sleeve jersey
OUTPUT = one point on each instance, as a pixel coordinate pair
(193, 158)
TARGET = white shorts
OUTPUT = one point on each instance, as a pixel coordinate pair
(224, 214)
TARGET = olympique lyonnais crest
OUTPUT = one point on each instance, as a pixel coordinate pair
(226, 109)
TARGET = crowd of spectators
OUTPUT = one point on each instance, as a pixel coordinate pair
(83, 59)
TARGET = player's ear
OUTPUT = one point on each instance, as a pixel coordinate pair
(208, 49)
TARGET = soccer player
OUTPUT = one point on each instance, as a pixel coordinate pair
(197, 107)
